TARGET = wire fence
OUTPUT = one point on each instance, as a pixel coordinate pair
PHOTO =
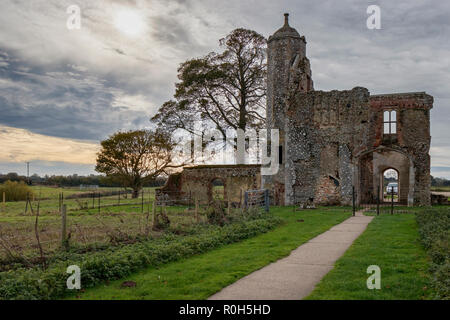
(34, 230)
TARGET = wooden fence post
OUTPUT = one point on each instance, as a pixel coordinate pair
(245, 199)
(142, 201)
(228, 205)
(196, 209)
(64, 241)
(240, 198)
(4, 201)
(392, 200)
(154, 213)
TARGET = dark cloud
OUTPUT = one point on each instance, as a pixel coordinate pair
(64, 103)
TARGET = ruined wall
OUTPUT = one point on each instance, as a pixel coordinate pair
(412, 138)
(323, 132)
(197, 181)
(332, 141)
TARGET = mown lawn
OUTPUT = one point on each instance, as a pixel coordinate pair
(201, 276)
(392, 243)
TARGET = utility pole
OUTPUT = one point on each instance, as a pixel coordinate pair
(28, 173)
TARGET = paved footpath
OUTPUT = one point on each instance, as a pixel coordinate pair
(294, 277)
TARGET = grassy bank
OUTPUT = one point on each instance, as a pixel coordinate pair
(200, 276)
(392, 243)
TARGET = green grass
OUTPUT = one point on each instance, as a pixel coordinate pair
(392, 243)
(50, 201)
(201, 276)
(441, 189)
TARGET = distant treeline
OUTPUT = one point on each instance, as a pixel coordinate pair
(440, 182)
(72, 180)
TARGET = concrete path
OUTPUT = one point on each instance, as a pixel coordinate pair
(294, 277)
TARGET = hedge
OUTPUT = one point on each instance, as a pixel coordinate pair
(33, 284)
(434, 226)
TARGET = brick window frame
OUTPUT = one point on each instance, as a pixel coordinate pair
(390, 117)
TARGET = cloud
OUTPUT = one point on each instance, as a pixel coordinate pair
(20, 145)
(88, 83)
(68, 103)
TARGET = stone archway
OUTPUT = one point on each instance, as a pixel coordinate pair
(373, 164)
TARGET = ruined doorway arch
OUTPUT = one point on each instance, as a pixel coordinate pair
(373, 164)
(217, 189)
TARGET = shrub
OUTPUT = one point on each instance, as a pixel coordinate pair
(434, 226)
(119, 262)
(15, 191)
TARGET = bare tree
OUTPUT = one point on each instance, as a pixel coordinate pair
(227, 90)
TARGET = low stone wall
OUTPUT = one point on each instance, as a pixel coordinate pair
(197, 182)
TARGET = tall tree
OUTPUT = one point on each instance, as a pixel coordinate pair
(225, 90)
(136, 157)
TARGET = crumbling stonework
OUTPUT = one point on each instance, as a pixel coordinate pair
(330, 142)
(333, 141)
(197, 181)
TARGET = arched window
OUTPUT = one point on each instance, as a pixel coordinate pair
(390, 122)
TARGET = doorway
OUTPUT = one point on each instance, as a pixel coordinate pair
(390, 185)
(216, 189)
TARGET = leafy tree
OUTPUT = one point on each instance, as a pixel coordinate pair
(136, 157)
(226, 90)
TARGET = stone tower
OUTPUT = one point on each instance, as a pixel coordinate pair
(288, 72)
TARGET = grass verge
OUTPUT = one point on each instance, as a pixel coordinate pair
(390, 242)
(200, 276)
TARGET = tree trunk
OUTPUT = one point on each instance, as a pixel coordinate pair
(135, 193)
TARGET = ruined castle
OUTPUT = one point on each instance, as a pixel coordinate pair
(333, 141)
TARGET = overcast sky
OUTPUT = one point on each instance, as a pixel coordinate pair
(62, 91)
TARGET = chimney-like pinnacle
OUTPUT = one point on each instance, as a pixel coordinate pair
(286, 19)
(285, 31)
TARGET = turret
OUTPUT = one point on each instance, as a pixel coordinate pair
(288, 71)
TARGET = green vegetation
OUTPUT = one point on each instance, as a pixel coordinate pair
(49, 201)
(116, 262)
(434, 226)
(390, 242)
(441, 188)
(200, 276)
(15, 191)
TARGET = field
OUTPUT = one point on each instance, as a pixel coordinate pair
(441, 189)
(121, 238)
(118, 220)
